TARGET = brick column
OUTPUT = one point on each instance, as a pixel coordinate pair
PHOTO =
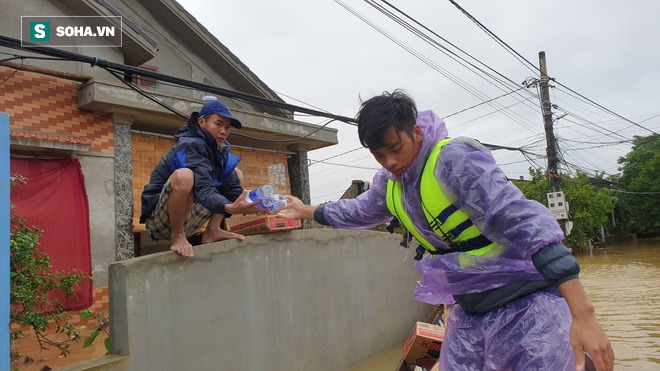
(124, 243)
(299, 176)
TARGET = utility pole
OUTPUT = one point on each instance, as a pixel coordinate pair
(556, 198)
(551, 142)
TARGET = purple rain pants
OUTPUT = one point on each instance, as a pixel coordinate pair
(529, 333)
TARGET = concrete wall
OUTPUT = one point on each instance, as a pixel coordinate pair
(11, 26)
(100, 186)
(300, 300)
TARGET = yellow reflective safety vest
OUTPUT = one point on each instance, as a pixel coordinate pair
(450, 223)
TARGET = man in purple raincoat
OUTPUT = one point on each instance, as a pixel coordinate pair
(520, 303)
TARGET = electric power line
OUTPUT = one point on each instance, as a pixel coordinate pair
(13, 43)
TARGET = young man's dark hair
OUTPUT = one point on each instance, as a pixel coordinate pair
(379, 112)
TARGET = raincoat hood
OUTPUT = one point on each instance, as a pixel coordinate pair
(434, 130)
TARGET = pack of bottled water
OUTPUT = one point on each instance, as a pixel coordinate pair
(260, 193)
(269, 199)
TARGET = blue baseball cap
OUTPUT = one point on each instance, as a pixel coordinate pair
(217, 107)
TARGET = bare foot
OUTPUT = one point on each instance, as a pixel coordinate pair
(181, 245)
(219, 234)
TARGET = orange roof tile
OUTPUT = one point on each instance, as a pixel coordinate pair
(50, 137)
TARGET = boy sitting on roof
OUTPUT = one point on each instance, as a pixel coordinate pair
(196, 182)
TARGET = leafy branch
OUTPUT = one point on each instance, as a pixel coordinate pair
(102, 326)
(31, 280)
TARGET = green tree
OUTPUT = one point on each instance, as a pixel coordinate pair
(589, 207)
(536, 188)
(640, 180)
(31, 279)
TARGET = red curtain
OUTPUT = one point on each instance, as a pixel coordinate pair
(54, 199)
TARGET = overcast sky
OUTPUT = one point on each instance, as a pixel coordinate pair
(317, 52)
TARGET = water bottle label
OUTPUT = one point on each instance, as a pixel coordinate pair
(280, 203)
(273, 202)
(260, 193)
(269, 201)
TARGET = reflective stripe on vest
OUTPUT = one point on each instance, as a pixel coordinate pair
(450, 223)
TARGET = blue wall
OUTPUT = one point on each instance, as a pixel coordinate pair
(5, 187)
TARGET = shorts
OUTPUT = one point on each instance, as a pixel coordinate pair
(158, 223)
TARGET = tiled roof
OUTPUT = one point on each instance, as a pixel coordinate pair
(50, 137)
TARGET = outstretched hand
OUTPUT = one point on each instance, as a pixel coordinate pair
(243, 206)
(296, 209)
(291, 209)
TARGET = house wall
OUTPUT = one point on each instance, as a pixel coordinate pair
(43, 104)
(40, 103)
(173, 57)
(46, 105)
(300, 300)
(11, 26)
(99, 182)
(261, 168)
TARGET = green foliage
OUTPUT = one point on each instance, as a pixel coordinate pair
(31, 279)
(640, 177)
(102, 322)
(589, 208)
(536, 188)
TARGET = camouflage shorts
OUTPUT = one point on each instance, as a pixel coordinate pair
(158, 223)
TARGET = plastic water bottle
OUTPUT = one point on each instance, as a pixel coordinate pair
(268, 201)
(282, 201)
(273, 202)
(260, 193)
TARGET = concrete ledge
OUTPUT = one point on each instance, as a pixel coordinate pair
(106, 96)
(299, 300)
(106, 363)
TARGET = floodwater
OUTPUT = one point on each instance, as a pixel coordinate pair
(623, 282)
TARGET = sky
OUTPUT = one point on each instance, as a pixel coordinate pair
(331, 54)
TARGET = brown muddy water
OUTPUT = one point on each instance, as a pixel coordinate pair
(623, 282)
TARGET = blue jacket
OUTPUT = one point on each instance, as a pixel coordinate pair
(216, 182)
